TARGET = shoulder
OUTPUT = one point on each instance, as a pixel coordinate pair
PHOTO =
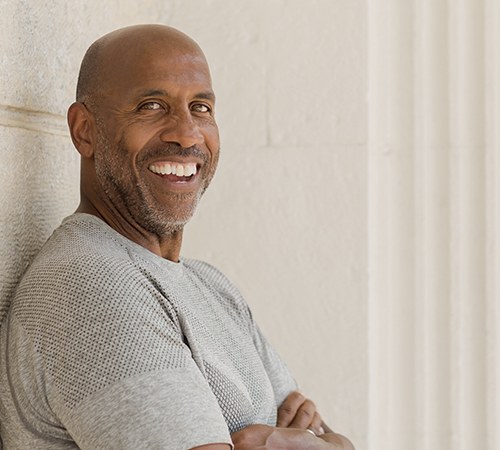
(82, 270)
(92, 314)
(77, 252)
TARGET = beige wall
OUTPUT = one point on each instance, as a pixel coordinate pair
(286, 215)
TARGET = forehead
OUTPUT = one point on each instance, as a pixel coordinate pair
(156, 67)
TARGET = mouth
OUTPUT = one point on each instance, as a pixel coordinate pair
(175, 171)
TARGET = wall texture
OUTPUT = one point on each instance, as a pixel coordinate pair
(286, 215)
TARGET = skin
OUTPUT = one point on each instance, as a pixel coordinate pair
(145, 97)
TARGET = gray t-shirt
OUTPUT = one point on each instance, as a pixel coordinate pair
(108, 346)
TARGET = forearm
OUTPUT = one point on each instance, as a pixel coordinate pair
(263, 437)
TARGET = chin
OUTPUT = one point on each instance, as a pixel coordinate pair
(165, 219)
(164, 226)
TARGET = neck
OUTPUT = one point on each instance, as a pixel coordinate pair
(167, 246)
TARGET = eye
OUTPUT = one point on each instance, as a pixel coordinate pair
(201, 108)
(150, 106)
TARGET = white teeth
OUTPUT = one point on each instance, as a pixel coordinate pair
(189, 169)
(181, 170)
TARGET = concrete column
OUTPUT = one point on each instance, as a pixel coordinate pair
(433, 225)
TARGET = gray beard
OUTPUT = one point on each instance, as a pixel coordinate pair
(136, 203)
(165, 223)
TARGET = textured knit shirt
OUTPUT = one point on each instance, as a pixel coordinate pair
(109, 346)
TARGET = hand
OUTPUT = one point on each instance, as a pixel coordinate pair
(264, 437)
(295, 415)
(338, 441)
(297, 411)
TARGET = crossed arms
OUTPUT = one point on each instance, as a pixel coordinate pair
(296, 415)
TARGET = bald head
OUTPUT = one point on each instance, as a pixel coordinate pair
(116, 52)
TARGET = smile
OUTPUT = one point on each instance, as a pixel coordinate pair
(174, 168)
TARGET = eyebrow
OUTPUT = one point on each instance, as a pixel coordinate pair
(207, 95)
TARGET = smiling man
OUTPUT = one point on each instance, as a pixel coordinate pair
(113, 341)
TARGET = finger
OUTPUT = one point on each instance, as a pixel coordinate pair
(315, 424)
(289, 408)
(326, 428)
(304, 416)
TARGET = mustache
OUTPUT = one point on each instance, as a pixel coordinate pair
(170, 149)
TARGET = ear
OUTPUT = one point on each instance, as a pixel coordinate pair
(80, 127)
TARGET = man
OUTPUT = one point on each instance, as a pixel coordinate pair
(113, 340)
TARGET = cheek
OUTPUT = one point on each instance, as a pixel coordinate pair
(135, 136)
(212, 140)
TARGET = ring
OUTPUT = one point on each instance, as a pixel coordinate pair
(311, 431)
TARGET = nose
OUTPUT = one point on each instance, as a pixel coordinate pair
(182, 129)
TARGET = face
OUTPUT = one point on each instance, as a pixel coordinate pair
(158, 142)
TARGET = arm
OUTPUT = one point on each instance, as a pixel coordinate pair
(296, 415)
(273, 438)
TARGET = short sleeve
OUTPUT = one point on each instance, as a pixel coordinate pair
(165, 410)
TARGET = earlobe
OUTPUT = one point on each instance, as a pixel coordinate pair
(79, 122)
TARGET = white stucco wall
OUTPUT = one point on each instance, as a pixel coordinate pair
(286, 215)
